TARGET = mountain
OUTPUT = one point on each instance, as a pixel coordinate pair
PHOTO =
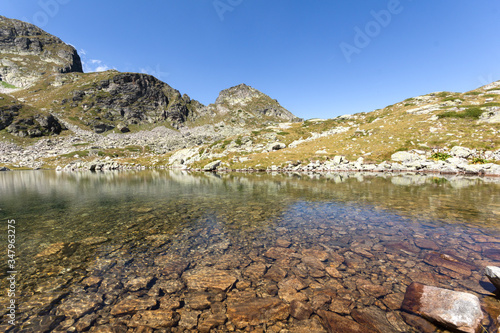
(106, 101)
(28, 53)
(244, 98)
(60, 116)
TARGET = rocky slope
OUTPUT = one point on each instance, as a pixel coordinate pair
(27, 53)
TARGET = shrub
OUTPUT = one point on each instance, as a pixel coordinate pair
(440, 156)
(7, 85)
(452, 99)
(477, 160)
(473, 113)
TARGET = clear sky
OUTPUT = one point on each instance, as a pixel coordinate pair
(319, 59)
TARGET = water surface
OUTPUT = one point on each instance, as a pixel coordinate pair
(90, 244)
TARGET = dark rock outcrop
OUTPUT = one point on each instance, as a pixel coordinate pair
(132, 98)
(35, 126)
(7, 115)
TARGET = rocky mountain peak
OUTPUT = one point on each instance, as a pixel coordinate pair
(246, 98)
(239, 94)
(47, 53)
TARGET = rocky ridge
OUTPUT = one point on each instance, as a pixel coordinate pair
(27, 53)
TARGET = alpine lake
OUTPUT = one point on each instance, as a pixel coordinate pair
(172, 251)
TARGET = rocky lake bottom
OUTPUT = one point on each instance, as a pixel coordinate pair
(165, 251)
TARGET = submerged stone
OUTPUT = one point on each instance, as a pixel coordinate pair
(452, 309)
(205, 278)
(156, 319)
(257, 311)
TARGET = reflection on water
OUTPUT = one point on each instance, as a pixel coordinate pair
(88, 244)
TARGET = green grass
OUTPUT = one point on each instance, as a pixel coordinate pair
(440, 156)
(477, 160)
(443, 94)
(7, 85)
(473, 113)
(491, 104)
(452, 99)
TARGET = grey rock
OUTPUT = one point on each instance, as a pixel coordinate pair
(275, 146)
(404, 156)
(493, 274)
(338, 159)
(212, 166)
(461, 152)
(4, 169)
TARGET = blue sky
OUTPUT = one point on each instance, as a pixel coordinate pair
(317, 58)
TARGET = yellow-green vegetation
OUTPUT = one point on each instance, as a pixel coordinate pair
(7, 85)
(375, 136)
(440, 156)
(46, 94)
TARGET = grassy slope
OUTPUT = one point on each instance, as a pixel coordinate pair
(378, 134)
(374, 136)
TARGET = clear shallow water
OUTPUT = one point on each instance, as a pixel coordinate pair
(258, 229)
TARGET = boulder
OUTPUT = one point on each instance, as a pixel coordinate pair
(404, 156)
(212, 166)
(338, 159)
(275, 146)
(123, 128)
(4, 169)
(461, 152)
(493, 274)
(452, 309)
